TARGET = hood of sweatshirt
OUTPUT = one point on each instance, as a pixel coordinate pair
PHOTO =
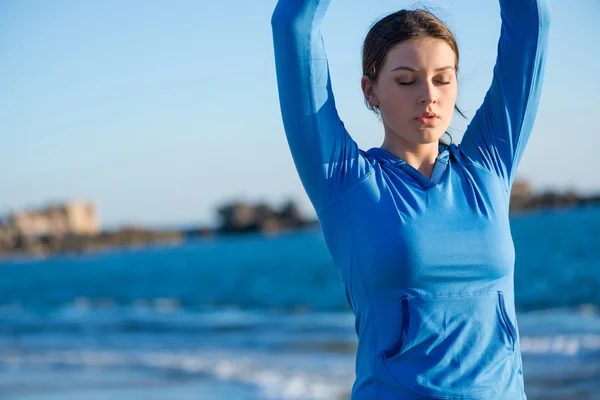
(386, 158)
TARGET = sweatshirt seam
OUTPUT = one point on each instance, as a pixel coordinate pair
(528, 101)
(312, 97)
(333, 199)
(496, 178)
(356, 265)
(482, 168)
(342, 193)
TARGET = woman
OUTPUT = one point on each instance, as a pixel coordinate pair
(418, 229)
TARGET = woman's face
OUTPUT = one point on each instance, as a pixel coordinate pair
(418, 77)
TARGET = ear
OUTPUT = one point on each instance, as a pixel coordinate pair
(369, 90)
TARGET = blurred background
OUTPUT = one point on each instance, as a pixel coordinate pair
(156, 242)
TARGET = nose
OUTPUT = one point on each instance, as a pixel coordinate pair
(428, 94)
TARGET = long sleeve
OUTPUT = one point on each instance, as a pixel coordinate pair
(328, 161)
(500, 129)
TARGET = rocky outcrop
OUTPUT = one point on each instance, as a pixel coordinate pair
(239, 217)
(522, 198)
(14, 242)
(236, 217)
(7, 238)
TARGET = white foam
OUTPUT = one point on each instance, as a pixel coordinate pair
(276, 380)
(561, 332)
(570, 345)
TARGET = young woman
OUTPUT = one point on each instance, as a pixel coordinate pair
(418, 229)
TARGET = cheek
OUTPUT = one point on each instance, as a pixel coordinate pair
(451, 95)
(395, 101)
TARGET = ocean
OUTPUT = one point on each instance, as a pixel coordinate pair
(263, 317)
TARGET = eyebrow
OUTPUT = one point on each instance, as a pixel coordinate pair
(405, 68)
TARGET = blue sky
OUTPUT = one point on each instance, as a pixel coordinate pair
(160, 111)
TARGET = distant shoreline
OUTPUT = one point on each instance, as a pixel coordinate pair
(238, 219)
(170, 239)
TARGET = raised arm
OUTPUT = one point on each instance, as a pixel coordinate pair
(326, 157)
(500, 129)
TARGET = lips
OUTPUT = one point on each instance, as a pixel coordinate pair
(430, 119)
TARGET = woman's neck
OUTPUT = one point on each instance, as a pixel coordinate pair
(421, 157)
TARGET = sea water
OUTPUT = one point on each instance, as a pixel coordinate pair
(263, 317)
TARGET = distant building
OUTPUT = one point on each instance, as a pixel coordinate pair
(58, 220)
(522, 189)
(521, 194)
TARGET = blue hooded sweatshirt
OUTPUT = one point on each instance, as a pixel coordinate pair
(427, 264)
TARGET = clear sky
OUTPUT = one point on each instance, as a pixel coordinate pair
(160, 111)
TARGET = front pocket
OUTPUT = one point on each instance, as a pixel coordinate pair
(453, 347)
(509, 326)
(403, 333)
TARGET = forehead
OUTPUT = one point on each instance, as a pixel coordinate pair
(422, 54)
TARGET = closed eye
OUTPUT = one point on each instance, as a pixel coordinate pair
(410, 83)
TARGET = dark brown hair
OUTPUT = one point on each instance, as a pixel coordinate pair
(396, 28)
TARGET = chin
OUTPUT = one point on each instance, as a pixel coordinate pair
(428, 138)
(430, 135)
